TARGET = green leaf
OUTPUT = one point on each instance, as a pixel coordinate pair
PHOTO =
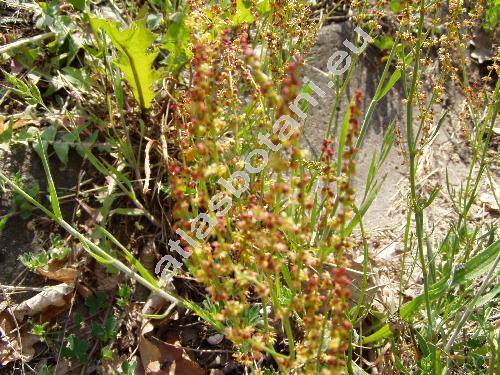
(383, 42)
(392, 81)
(5, 135)
(62, 147)
(26, 90)
(243, 13)
(264, 7)
(104, 332)
(396, 6)
(488, 297)
(475, 267)
(128, 368)
(135, 61)
(492, 15)
(177, 40)
(343, 137)
(205, 315)
(76, 349)
(96, 302)
(107, 353)
(78, 4)
(127, 211)
(41, 148)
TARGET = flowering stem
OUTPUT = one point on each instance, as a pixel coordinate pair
(415, 202)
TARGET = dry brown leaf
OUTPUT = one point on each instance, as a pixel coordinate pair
(157, 356)
(10, 349)
(55, 272)
(57, 296)
(19, 124)
(489, 201)
(84, 290)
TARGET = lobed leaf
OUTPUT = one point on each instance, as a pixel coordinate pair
(136, 62)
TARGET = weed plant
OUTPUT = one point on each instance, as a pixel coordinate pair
(173, 96)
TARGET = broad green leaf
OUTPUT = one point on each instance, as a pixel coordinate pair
(264, 6)
(62, 149)
(136, 62)
(243, 13)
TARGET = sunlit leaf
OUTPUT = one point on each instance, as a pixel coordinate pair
(136, 62)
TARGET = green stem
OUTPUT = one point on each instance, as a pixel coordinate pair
(415, 204)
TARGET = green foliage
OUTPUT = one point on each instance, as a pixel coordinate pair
(67, 40)
(96, 302)
(124, 295)
(176, 41)
(243, 13)
(35, 261)
(492, 15)
(474, 268)
(25, 89)
(136, 60)
(58, 249)
(75, 349)
(396, 5)
(127, 368)
(383, 42)
(107, 353)
(104, 332)
(455, 267)
(39, 329)
(78, 4)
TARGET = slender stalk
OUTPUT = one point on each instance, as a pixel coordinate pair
(21, 42)
(415, 204)
(91, 247)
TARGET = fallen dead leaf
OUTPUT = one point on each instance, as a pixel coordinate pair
(489, 201)
(14, 346)
(159, 357)
(57, 296)
(215, 339)
(56, 272)
(84, 290)
(20, 123)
